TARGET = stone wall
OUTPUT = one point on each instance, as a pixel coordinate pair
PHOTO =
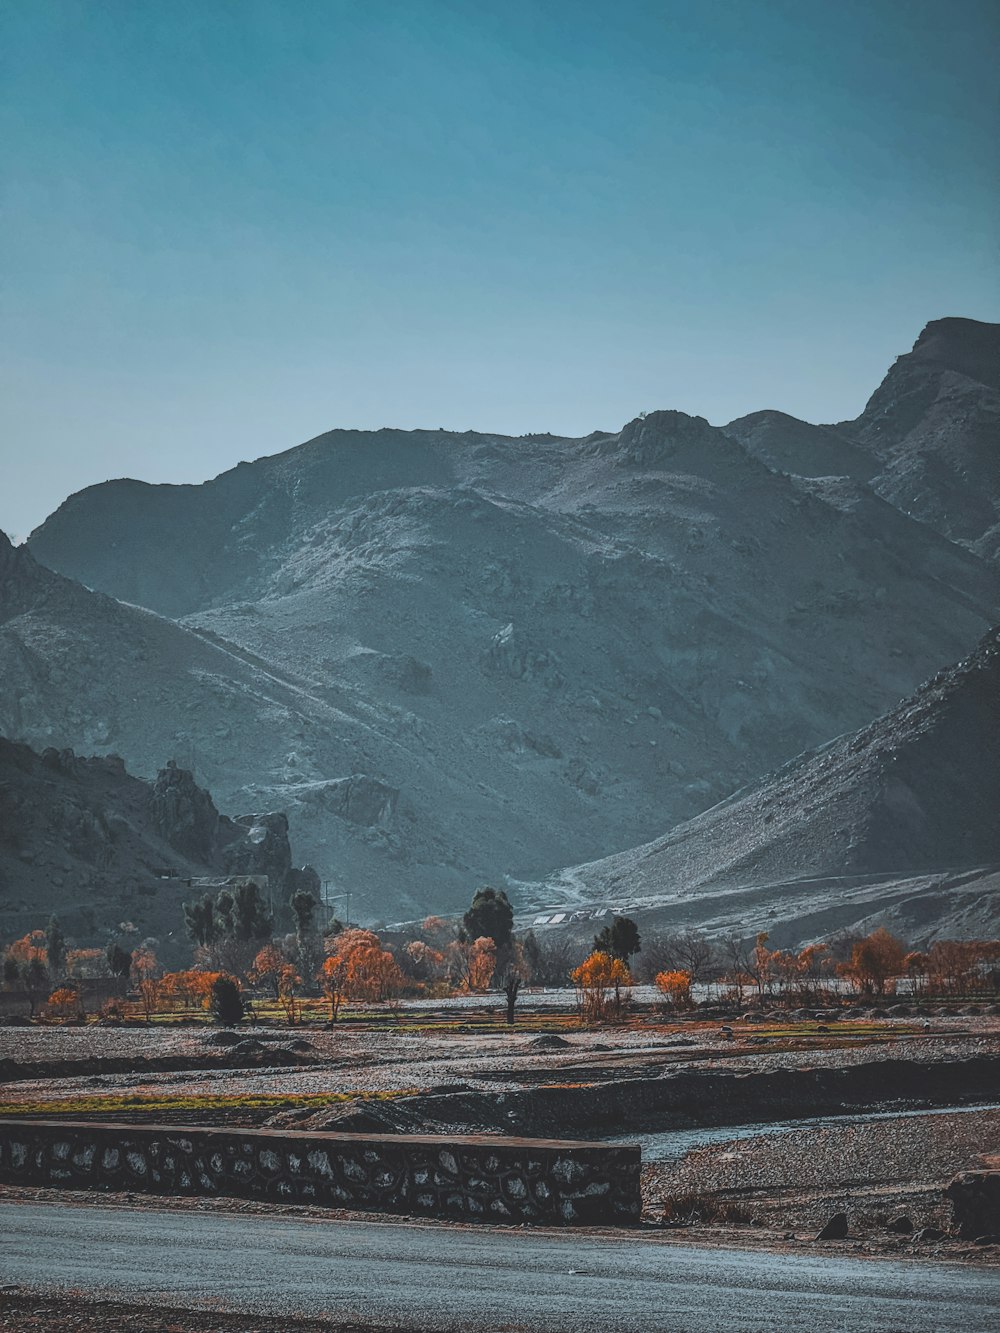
(482, 1178)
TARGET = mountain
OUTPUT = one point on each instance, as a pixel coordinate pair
(84, 839)
(901, 817)
(457, 657)
(928, 440)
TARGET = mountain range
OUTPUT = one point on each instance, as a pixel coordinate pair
(900, 819)
(457, 658)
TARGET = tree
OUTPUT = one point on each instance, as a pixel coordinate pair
(146, 978)
(230, 930)
(510, 984)
(288, 985)
(36, 981)
(679, 951)
(490, 915)
(226, 1001)
(370, 972)
(65, 1002)
(333, 980)
(620, 939)
(596, 976)
(119, 962)
(200, 923)
(874, 961)
(55, 946)
(482, 963)
(267, 968)
(304, 907)
(675, 987)
(86, 963)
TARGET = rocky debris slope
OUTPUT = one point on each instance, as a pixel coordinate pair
(853, 823)
(928, 440)
(83, 838)
(452, 658)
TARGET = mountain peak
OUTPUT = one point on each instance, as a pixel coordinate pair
(968, 346)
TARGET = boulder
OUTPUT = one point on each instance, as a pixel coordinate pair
(835, 1229)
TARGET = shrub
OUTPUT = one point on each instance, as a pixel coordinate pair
(227, 1001)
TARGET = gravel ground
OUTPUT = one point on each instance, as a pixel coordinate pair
(45, 1314)
(873, 1171)
(70, 1062)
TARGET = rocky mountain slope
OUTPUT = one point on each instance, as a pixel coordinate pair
(928, 440)
(83, 838)
(453, 658)
(902, 817)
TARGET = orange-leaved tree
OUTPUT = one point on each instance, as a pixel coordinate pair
(289, 983)
(65, 1002)
(675, 987)
(875, 961)
(371, 973)
(146, 979)
(599, 980)
(333, 980)
(267, 968)
(482, 961)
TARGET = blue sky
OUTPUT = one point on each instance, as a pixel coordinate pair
(229, 226)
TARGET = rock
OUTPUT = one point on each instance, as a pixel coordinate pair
(260, 848)
(989, 1239)
(510, 654)
(835, 1229)
(360, 800)
(901, 1225)
(929, 1234)
(975, 1198)
(183, 814)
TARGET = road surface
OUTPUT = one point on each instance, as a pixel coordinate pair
(439, 1277)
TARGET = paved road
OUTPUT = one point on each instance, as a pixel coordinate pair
(436, 1277)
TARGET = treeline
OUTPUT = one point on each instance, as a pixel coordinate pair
(239, 962)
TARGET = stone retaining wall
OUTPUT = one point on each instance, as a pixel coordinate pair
(474, 1179)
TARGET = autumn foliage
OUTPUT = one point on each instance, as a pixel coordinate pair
(675, 987)
(599, 981)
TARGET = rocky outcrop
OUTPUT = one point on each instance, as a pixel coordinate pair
(183, 814)
(360, 799)
(511, 654)
(261, 847)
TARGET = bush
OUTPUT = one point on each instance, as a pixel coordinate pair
(227, 1001)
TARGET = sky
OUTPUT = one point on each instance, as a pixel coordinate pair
(230, 225)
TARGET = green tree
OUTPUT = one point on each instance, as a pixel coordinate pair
(242, 913)
(304, 907)
(491, 915)
(119, 962)
(55, 946)
(620, 939)
(36, 981)
(226, 1001)
(200, 923)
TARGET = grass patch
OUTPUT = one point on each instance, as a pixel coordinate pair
(130, 1102)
